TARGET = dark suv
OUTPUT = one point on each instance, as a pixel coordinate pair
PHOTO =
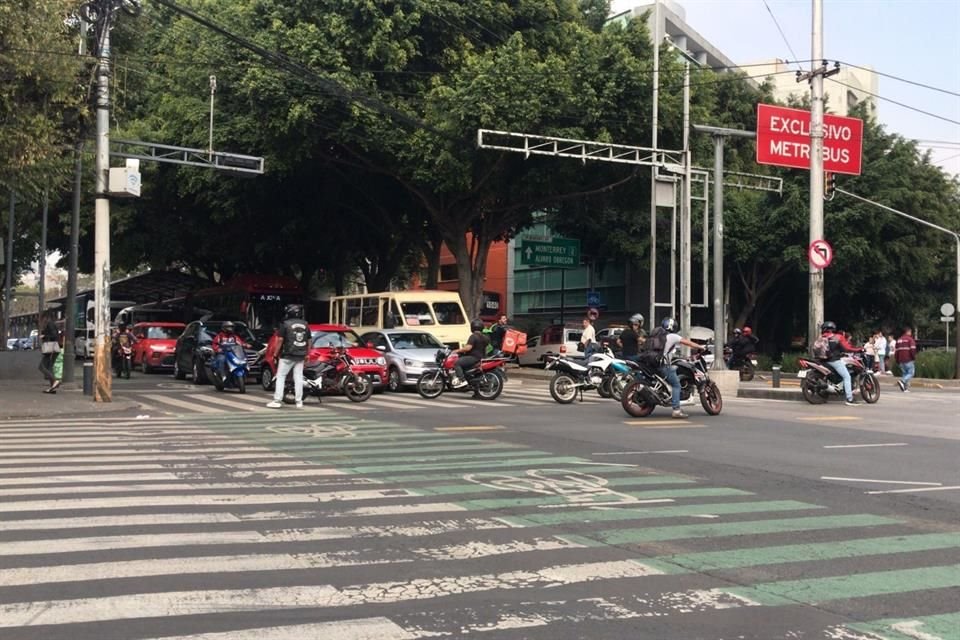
(188, 359)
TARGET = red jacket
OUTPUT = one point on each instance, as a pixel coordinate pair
(227, 338)
(840, 340)
(906, 349)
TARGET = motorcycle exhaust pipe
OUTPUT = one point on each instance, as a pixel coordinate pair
(646, 394)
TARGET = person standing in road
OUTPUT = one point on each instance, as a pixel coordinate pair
(870, 352)
(294, 342)
(50, 347)
(906, 354)
(588, 339)
(629, 339)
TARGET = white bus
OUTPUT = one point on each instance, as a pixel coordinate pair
(439, 313)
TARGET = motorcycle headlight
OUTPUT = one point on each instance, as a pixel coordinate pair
(381, 361)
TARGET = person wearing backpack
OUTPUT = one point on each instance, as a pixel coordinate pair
(293, 345)
(659, 345)
(836, 345)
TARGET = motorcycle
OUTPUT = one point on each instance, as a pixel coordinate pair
(601, 371)
(818, 380)
(651, 389)
(617, 373)
(329, 376)
(234, 371)
(123, 357)
(747, 366)
(485, 380)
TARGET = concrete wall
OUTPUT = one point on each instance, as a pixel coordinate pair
(20, 365)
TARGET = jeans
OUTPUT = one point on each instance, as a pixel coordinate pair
(881, 361)
(46, 366)
(841, 369)
(909, 369)
(590, 349)
(669, 372)
(464, 362)
(220, 362)
(284, 366)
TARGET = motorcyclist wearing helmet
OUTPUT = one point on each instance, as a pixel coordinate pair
(669, 371)
(839, 345)
(293, 344)
(630, 339)
(743, 344)
(471, 353)
(226, 337)
(122, 337)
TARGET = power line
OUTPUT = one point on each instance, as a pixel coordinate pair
(905, 106)
(782, 34)
(906, 80)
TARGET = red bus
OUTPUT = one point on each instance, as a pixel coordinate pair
(256, 300)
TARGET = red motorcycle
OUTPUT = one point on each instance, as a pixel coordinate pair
(485, 380)
(329, 376)
(819, 380)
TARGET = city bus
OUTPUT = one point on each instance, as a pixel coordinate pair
(256, 300)
(439, 313)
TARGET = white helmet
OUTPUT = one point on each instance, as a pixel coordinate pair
(636, 319)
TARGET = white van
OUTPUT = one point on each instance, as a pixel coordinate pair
(439, 313)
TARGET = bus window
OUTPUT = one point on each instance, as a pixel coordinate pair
(417, 314)
(448, 313)
(370, 312)
(352, 316)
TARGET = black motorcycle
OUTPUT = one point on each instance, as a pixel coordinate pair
(651, 389)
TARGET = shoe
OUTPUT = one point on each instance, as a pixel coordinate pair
(54, 386)
(299, 405)
(274, 405)
(902, 386)
(679, 414)
(50, 390)
(906, 390)
(852, 403)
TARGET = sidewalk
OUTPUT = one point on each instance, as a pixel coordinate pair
(25, 399)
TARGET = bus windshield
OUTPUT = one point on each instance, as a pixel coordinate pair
(448, 313)
(416, 314)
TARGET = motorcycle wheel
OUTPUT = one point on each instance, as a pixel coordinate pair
(746, 372)
(289, 397)
(218, 382)
(489, 386)
(241, 384)
(869, 388)
(563, 388)
(632, 403)
(178, 373)
(430, 385)
(710, 399)
(810, 385)
(266, 379)
(604, 389)
(357, 388)
(618, 384)
(198, 376)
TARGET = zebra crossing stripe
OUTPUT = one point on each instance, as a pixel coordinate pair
(437, 490)
(151, 488)
(223, 402)
(92, 522)
(658, 496)
(164, 462)
(359, 629)
(752, 527)
(520, 462)
(692, 510)
(936, 627)
(194, 407)
(438, 458)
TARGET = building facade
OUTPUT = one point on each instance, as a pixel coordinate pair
(847, 89)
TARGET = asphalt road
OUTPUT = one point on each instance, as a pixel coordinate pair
(206, 515)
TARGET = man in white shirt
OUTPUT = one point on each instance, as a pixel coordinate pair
(588, 339)
(669, 371)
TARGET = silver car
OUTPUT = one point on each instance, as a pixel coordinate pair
(407, 352)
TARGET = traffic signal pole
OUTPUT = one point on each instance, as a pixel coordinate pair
(815, 313)
(103, 379)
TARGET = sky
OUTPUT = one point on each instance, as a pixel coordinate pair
(914, 39)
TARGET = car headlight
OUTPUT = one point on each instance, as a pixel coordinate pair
(158, 348)
(381, 361)
(407, 362)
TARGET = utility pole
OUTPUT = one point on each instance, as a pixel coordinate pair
(653, 170)
(101, 359)
(41, 297)
(8, 286)
(686, 236)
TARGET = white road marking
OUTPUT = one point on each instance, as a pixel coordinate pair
(863, 446)
(951, 488)
(149, 488)
(198, 500)
(234, 463)
(54, 524)
(194, 407)
(930, 484)
(222, 401)
(360, 629)
(129, 451)
(637, 453)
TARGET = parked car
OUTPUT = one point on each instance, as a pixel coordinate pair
(324, 338)
(188, 358)
(549, 342)
(25, 344)
(407, 352)
(12, 344)
(156, 343)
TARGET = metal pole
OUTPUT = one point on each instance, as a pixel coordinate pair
(102, 375)
(686, 237)
(653, 170)
(719, 317)
(41, 297)
(563, 289)
(70, 321)
(213, 90)
(8, 286)
(815, 314)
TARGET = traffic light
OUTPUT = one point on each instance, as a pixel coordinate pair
(829, 185)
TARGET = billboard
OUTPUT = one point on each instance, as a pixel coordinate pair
(783, 139)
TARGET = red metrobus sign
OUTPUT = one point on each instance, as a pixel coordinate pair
(783, 139)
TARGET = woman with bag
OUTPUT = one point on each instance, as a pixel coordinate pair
(50, 347)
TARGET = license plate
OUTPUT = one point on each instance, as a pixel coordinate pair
(802, 373)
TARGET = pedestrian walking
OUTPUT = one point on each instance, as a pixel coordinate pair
(880, 343)
(294, 342)
(906, 355)
(49, 347)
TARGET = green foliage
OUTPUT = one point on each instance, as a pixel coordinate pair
(788, 361)
(939, 364)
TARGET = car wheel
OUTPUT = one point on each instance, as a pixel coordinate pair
(178, 373)
(146, 367)
(393, 379)
(198, 377)
(266, 378)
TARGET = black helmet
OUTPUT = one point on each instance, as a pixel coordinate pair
(669, 325)
(227, 326)
(476, 325)
(293, 311)
(828, 325)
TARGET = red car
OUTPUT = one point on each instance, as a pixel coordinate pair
(155, 344)
(324, 337)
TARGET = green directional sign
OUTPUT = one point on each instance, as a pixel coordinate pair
(560, 253)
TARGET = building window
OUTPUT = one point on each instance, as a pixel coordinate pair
(448, 272)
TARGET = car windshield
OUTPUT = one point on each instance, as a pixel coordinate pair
(162, 333)
(416, 314)
(414, 341)
(449, 313)
(335, 339)
(213, 328)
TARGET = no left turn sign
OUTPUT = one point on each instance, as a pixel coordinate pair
(820, 254)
